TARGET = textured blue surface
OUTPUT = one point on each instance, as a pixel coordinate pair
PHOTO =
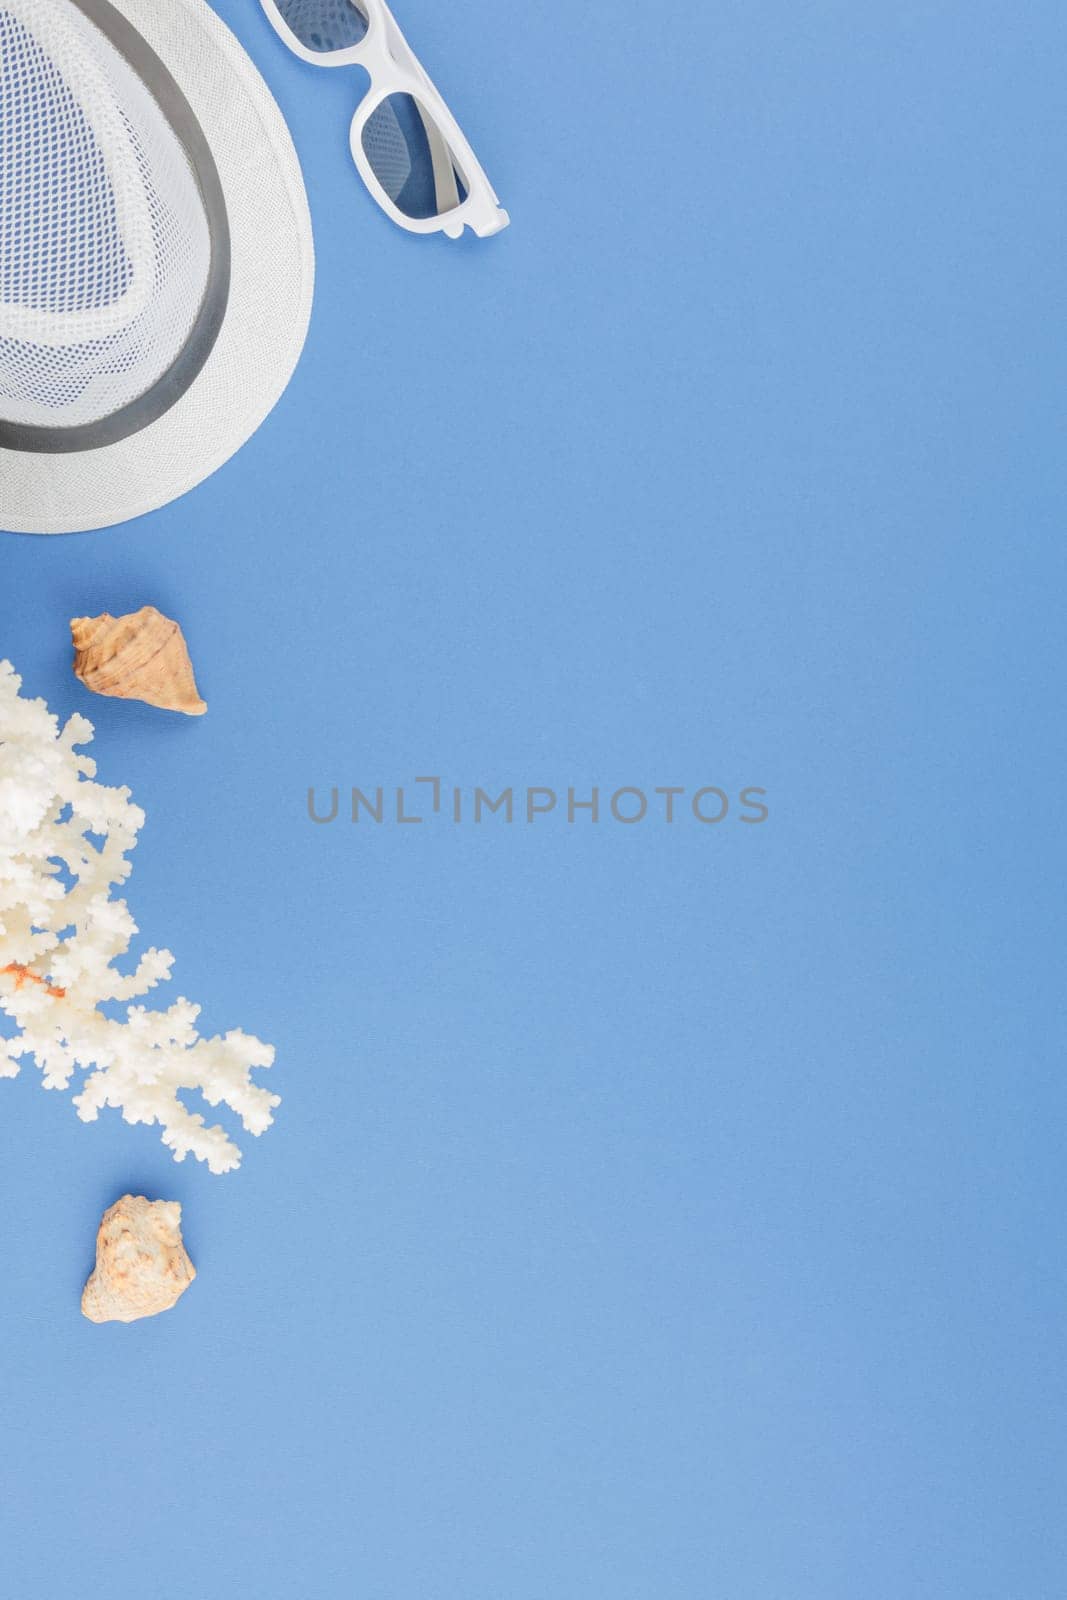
(653, 1211)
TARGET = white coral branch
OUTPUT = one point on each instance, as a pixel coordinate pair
(61, 930)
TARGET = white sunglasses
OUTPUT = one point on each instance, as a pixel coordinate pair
(406, 144)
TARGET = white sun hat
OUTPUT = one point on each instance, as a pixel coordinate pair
(156, 260)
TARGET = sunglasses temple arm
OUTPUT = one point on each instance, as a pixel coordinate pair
(444, 173)
(443, 166)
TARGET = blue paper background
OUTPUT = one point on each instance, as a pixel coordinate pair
(653, 1211)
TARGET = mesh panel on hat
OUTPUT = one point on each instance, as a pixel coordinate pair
(105, 247)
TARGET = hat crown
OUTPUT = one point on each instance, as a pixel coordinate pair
(105, 243)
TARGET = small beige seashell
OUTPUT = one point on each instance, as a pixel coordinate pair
(139, 657)
(141, 1264)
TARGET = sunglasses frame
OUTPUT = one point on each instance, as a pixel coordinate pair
(393, 68)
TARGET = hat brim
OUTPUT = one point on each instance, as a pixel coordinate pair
(267, 311)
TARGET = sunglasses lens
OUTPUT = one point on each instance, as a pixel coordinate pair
(323, 25)
(410, 158)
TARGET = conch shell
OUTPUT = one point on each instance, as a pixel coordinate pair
(141, 1264)
(139, 657)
